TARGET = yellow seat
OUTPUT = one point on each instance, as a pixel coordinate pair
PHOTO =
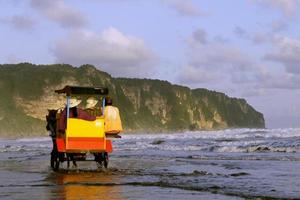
(83, 135)
(84, 128)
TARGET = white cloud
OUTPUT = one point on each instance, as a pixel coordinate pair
(226, 67)
(214, 63)
(239, 31)
(199, 35)
(217, 55)
(185, 8)
(191, 74)
(287, 51)
(59, 12)
(14, 59)
(279, 25)
(270, 80)
(253, 92)
(287, 7)
(254, 37)
(113, 51)
(20, 22)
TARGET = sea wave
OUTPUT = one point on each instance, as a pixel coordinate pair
(230, 140)
(235, 140)
(219, 134)
(35, 139)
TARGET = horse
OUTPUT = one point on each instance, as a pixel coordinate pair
(52, 127)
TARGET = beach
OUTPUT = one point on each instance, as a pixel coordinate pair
(225, 164)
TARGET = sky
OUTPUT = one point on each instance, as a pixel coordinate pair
(247, 49)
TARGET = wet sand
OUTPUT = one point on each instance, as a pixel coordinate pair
(180, 166)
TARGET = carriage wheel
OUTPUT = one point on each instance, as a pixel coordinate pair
(54, 161)
(101, 159)
(98, 159)
(105, 159)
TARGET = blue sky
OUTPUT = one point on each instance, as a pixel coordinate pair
(246, 48)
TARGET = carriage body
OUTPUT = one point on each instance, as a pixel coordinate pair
(80, 136)
(84, 136)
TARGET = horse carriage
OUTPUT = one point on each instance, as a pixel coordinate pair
(76, 132)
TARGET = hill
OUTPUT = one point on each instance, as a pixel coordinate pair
(145, 105)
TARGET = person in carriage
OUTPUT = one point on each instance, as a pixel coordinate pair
(74, 112)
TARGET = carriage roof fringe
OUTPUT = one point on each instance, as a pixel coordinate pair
(78, 90)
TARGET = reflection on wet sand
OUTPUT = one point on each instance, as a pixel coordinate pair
(85, 185)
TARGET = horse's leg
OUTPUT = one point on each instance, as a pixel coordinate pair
(68, 159)
(74, 161)
(98, 160)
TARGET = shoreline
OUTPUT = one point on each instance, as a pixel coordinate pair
(140, 132)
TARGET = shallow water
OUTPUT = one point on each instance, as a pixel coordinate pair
(230, 164)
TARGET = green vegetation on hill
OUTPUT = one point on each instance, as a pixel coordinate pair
(145, 105)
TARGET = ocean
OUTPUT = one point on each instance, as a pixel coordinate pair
(225, 164)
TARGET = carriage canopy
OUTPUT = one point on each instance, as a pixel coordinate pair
(76, 90)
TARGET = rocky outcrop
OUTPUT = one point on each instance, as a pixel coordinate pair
(27, 91)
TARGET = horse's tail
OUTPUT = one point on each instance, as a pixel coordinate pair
(51, 122)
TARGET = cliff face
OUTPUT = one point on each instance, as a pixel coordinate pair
(27, 91)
